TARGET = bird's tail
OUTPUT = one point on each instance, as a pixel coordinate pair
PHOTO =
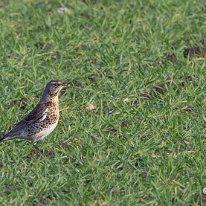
(9, 135)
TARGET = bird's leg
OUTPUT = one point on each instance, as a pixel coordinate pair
(36, 148)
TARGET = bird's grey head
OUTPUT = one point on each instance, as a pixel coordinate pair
(52, 90)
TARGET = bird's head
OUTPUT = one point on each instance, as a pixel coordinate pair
(52, 90)
(54, 87)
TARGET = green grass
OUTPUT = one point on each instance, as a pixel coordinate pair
(131, 150)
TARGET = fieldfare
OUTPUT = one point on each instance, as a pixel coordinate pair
(43, 119)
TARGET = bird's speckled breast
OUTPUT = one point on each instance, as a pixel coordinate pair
(41, 129)
(53, 113)
(43, 133)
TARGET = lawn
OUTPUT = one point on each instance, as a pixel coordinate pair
(133, 120)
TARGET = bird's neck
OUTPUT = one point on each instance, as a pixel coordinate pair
(49, 98)
(55, 99)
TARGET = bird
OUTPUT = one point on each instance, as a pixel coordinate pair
(43, 119)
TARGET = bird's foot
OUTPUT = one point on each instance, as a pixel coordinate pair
(38, 152)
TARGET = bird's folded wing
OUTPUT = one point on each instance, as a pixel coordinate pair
(38, 114)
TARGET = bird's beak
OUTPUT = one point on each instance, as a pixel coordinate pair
(64, 85)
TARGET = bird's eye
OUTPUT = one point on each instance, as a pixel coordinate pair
(57, 84)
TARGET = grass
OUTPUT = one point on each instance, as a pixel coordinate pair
(145, 142)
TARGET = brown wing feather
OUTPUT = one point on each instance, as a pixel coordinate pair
(37, 113)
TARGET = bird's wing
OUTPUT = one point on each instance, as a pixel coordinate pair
(38, 114)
